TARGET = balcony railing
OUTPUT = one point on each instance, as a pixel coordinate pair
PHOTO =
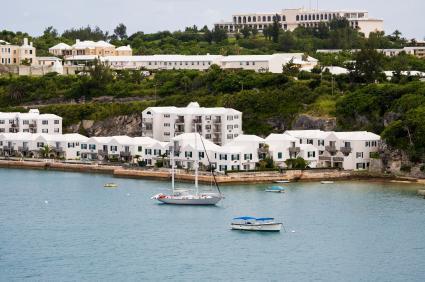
(331, 149)
(346, 150)
(323, 158)
(338, 159)
(197, 120)
(23, 149)
(294, 150)
(102, 153)
(179, 120)
(217, 121)
(125, 154)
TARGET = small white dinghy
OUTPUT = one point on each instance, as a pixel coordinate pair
(327, 182)
(264, 224)
(282, 181)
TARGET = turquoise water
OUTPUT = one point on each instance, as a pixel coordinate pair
(66, 226)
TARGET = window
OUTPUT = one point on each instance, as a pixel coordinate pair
(25, 121)
(148, 151)
(187, 154)
(359, 155)
(223, 167)
(113, 148)
(83, 146)
(223, 157)
(279, 155)
(321, 142)
(207, 136)
(40, 144)
(139, 149)
(92, 146)
(56, 130)
(201, 155)
(311, 154)
(11, 121)
(44, 130)
(71, 145)
(229, 117)
(2, 121)
(236, 126)
(166, 133)
(56, 121)
(247, 157)
(229, 136)
(166, 125)
(45, 122)
(310, 141)
(235, 157)
(229, 127)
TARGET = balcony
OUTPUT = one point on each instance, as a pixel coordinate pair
(32, 125)
(346, 150)
(217, 121)
(102, 153)
(125, 154)
(323, 158)
(197, 120)
(179, 120)
(58, 150)
(294, 150)
(23, 149)
(331, 149)
(338, 159)
(216, 140)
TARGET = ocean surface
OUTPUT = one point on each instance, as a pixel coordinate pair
(59, 226)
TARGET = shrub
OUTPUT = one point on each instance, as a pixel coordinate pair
(405, 168)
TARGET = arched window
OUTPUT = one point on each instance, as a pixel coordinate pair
(244, 19)
(314, 17)
(309, 17)
(298, 18)
(254, 19)
(264, 18)
(302, 17)
(284, 18)
(269, 19)
(234, 19)
(249, 19)
(239, 20)
(321, 16)
(279, 18)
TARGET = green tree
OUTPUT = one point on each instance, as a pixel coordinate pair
(121, 31)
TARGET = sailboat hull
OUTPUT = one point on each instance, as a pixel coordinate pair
(195, 201)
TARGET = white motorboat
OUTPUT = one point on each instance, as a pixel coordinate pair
(189, 197)
(327, 182)
(282, 181)
(275, 189)
(247, 223)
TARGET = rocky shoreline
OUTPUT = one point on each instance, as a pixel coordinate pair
(230, 178)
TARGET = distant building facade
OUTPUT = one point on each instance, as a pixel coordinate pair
(31, 122)
(90, 48)
(290, 19)
(16, 55)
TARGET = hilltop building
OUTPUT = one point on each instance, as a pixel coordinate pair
(90, 48)
(16, 55)
(290, 19)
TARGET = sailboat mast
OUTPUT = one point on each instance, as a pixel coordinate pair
(196, 163)
(172, 166)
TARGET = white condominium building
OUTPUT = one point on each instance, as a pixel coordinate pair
(31, 122)
(347, 150)
(219, 125)
(259, 63)
(289, 19)
(17, 55)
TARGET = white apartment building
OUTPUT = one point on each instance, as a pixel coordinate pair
(417, 51)
(346, 150)
(17, 55)
(259, 63)
(29, 145)
(31, 122)
(284, 146)
(218, 125)
(290, 19)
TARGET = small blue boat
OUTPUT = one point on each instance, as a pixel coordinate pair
(275, 189)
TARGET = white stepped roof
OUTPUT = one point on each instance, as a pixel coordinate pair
(336, 70)
(357, 136)
(124, 48)
(20, 136)
(311, 134)
(247, 138)
(189, 139)
(280, 137)
(91, 44)
(61, 46)
(123, 140)
(193, 109)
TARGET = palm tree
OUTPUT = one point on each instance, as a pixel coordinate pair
(45, 151)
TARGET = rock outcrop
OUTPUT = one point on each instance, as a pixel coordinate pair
(305, 121)
(130, 125)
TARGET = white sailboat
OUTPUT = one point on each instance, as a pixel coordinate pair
(188, 197)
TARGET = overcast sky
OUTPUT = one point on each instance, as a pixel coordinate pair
(153, 15)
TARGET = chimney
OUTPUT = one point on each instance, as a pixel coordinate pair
(77, 41)
(25, 41)
(31, 44)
